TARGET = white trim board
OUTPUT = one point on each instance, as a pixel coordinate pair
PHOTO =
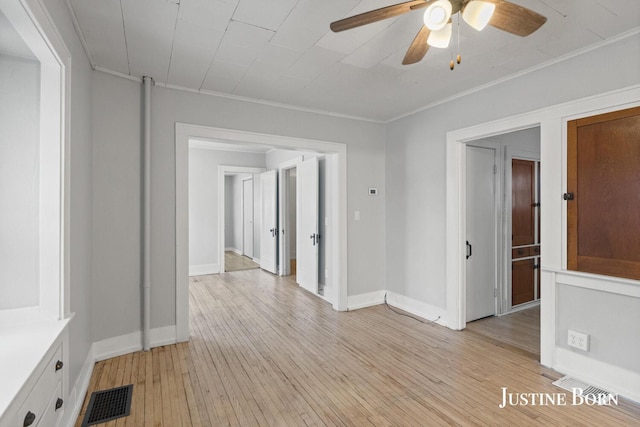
(203, 269)
(129, 343)
(408, 304)
(338, 214)
(608, 377)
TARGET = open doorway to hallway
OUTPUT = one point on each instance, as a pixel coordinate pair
(503, 238)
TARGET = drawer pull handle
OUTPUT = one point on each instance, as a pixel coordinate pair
(59, 403)
(29, 419)
(59, 365)
(520, 251)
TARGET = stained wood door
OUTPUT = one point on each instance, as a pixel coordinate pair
(603, 173)
(522, 288)
(522, 202)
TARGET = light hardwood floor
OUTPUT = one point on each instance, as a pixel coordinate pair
(265, 352)
(235, 262)
(520, 329)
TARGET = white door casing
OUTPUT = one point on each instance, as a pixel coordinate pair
(269, 221)
(307, 241)
(247, 217)
(481, 233)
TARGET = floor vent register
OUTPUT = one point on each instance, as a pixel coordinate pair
(107, 405)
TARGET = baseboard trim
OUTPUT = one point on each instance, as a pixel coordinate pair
(234, 250)
(201, 270)
(129, 343)
(418, 308)
(76, 396)
(608, 377)
(355, 302)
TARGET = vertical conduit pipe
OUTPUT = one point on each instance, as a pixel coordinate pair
(146, 281)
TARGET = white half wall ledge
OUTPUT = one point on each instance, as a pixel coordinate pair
(203, 269)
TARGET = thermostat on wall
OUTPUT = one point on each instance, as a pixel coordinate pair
(373, 191)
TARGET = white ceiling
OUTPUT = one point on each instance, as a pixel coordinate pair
(282, 51)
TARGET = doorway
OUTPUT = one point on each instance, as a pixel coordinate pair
(502, 218)
(336, 212)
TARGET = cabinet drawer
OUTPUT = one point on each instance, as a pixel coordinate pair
(51, 415)
(520, 252)
(43, 390)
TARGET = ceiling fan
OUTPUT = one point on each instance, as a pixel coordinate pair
(436, 32)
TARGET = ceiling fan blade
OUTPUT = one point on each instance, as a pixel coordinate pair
(418, 48)
(373, 16)
(515, 19)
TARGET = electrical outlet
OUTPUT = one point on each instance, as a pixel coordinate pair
(578, 340)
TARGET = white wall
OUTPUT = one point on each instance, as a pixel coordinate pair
(117, 192)
(19, 182)
(365, 163)
(203, 202)
(415, 166)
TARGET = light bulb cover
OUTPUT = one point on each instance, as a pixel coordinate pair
(437, 15)
(440, 38)
(478, 13)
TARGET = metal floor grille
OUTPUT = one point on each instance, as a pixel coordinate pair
(107, 405)
(589, 391)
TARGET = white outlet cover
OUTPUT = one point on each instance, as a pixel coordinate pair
(578, 340)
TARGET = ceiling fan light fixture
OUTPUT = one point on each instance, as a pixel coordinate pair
(478, 13)
(440, 38)
(437, 15)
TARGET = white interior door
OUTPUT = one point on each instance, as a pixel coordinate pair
(481, 233)
(247, 217)
(307, 240)
(269, 221)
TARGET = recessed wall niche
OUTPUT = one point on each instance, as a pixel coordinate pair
(30, 172)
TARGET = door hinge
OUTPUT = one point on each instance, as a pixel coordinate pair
(495, 169)
(495, 292)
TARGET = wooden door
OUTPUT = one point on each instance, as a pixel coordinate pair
(522, 288)
(603, 175)
(522, 202)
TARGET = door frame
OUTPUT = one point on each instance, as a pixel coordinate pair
(499, 266)
(283, 214)
(242, 190)
(222, 171)
(456, 210)
(337, 214)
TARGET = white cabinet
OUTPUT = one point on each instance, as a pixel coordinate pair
(33, 369)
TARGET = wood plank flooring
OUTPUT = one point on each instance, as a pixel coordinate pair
(235, 262)
(520, 329)
(263, 352)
